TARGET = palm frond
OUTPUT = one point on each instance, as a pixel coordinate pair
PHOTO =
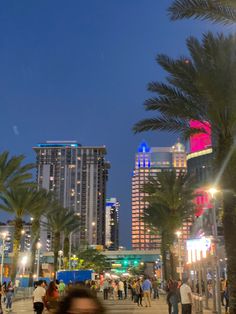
(220, 11)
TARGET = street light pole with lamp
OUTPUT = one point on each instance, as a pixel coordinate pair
(24, 262)
(38, 247)
(60, 254)
(213, 192)
(4, 234)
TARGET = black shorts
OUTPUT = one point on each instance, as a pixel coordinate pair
(38, 307)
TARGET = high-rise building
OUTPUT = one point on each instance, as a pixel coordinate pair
(77, 175)
(148, 162)
(112, 223)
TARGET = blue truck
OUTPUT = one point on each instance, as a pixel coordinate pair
(75, 275)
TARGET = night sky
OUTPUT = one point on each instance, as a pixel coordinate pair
(78, 70)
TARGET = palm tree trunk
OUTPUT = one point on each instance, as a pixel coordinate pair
(229, 216)
(34, 239)
(229, 223)
(66, 249)
(56, 248)
(16, 245)
(164, 249)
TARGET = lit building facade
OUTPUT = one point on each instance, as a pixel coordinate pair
(149, 161)
(9, 229)
(200, 166)
(112, 224)
(77, 175)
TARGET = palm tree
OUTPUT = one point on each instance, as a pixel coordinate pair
(13, 173)
(170, 203)
(40, 206)
(59, 220)
(223, 11)
(203, 88)
(18, 202)
(68, 230)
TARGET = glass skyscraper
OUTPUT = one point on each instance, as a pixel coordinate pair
(77, 176)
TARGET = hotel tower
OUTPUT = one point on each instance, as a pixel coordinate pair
(148, 162)
(77, 175)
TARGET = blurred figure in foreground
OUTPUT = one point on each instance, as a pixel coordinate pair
(78, 301)
(39, 297)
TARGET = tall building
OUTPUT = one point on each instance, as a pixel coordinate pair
(112, 224)
(148, 162)
(77, 175)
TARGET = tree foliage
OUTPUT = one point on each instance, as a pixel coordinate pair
(202, 87)
(170, 203)
(220, 11)
(92, 259)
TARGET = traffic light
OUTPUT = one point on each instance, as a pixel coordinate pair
(125, 263)
(136, 263)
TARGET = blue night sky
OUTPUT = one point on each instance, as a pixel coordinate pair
(78, 70)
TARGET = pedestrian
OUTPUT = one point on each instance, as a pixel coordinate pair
(126, 289)
(226, 296)
(146, 287)
(105, 289)
(115, 291)
(61, 288)
(222, 290)
(52, 296)
(174, 298)
(93, 288)
(39, 297)
(1, 294)
(169, 287)
(155, 289)
(3, 290)
(186, 297)
(120, 290)
(9, 296)
(133, 286)
(80, 300)
(138, 293)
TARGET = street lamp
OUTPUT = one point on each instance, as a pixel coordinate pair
(178, 233)
(4, 234)
(60, 253)
(212, 191)
(23, 262)
(38, 247)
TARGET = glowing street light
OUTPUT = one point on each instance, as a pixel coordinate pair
(24, 262)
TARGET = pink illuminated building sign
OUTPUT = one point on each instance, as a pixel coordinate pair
(200, 141)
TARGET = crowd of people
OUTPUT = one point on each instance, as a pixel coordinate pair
(137, 290)
(58, 298)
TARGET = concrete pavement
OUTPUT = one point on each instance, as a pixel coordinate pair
(113, 307)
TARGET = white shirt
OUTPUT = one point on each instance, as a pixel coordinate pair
(121, 286)
(184, 291)
(38, 294)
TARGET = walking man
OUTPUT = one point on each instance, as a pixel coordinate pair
(147, 286)
(39, 297)
(186, 297)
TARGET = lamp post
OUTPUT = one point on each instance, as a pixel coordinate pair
(70, 246)
(3, 248)
(38, 246)
(178, 233)
(23, 262)
(60, 253)
(212, 192)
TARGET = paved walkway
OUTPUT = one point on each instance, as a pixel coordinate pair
(113, 307)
